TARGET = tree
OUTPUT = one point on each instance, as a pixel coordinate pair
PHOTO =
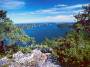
(74, 49)
(9, 33)
(83, 19)
(81, 50)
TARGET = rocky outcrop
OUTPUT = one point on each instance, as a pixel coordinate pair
(34, 59)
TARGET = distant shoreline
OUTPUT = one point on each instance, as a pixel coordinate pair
(46, 23)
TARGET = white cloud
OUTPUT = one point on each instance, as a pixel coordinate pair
(78, 11)
(11, 4)
(54, 14)
(55, 10)
(57, 18)
(46, 11)
(74, 6)
(61, 5)
(59, 9)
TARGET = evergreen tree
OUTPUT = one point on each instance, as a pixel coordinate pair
(83, 19)
(9, 33)
(74, 49)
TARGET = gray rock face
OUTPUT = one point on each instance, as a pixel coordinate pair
(4, 61)
(34, 59)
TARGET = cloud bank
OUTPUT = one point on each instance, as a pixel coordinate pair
(58, 13)
(11, 4)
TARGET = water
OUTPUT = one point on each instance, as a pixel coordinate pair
(41, 31)
(50, 31)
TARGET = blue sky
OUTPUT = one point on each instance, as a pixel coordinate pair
(33, 11)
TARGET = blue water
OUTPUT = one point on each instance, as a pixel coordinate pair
(50, 31)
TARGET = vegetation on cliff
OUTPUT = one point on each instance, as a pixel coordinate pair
(74, 49)
(10, 34)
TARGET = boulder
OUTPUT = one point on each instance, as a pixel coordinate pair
(19, 54)
(34, 59)
(4, 61)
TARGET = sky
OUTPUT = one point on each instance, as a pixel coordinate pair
(36, 11)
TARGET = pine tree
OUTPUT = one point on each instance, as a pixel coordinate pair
(9, 33)
(83, 19)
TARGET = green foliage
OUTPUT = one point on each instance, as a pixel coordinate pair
(80, 52)
(25, 49)
(9, 30)
(12, 34)
(6, 65)
(75, 47)
(48, 43)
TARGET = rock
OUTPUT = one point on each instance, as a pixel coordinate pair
(48, 54)
(39, 56)
(19, 54)
(49, 64)
(46, 50)
(4, 61)
(34, 59)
